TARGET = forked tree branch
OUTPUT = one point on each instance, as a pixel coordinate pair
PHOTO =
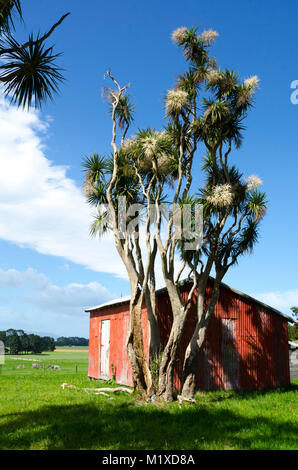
(19, 47)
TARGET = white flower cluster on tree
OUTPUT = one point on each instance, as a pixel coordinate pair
(248, 90)
(254, 182)
(151, 145)
(128, 143)
(208, 37)
(179, 35)
(213, 76)
(252, 82)
(152, 148)
(221, 196)
(175, 101)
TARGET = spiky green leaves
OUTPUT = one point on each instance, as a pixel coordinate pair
(102, 222)
(124, 111)
(227, 85)
(190, 80)
(30, 74)
(237, 243)
(95, 166)
(239, 234)
(124, 108)
(238, 194)
(233, 208)
(248, 237)
(9, 9)
(257, 204)
(95, 185)
(151, 152)
(194, 45)
(225, 110)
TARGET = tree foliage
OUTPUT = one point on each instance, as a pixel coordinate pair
(71, 341)
(29, 73)
(19, 342)
(206, 108)
(293, 328)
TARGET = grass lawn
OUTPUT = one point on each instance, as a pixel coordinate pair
(36, 413)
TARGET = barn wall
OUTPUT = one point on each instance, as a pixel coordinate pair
(119, 325)
(246, 345)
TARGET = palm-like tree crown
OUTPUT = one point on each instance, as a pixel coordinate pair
(29, 73)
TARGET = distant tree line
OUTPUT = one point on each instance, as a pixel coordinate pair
(293, 329)
(19, 342)
(72, 341)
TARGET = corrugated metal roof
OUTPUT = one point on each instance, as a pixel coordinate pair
(119, 301)
(126, 299)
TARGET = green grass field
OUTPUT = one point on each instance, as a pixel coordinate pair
(36, 413)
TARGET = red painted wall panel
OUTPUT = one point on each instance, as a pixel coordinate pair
(119, 323)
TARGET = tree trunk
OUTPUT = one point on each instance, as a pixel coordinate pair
(141, 374)
(192, 352)
(153, 327)
(166, 372)
(191, 360)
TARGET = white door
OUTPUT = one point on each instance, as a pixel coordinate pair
(104, 349)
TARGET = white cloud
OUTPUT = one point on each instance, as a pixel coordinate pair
(71, 299)
(282, 301)
(29, 278)
(40, 206)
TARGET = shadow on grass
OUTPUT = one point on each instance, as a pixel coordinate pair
(103, 424)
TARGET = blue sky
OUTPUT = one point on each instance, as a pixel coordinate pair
(49, 267)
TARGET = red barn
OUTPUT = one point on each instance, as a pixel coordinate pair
(246, 345)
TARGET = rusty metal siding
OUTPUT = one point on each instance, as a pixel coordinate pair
(246, 345)
(117, 350)
(124, 377)
(92, 342)
(93, 368)
(255, 356)
(280, 348)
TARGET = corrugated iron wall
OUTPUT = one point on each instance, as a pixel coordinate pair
(246, 346)
(119, 326)
(119, 318)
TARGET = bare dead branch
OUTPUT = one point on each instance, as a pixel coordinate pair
(182, 399)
